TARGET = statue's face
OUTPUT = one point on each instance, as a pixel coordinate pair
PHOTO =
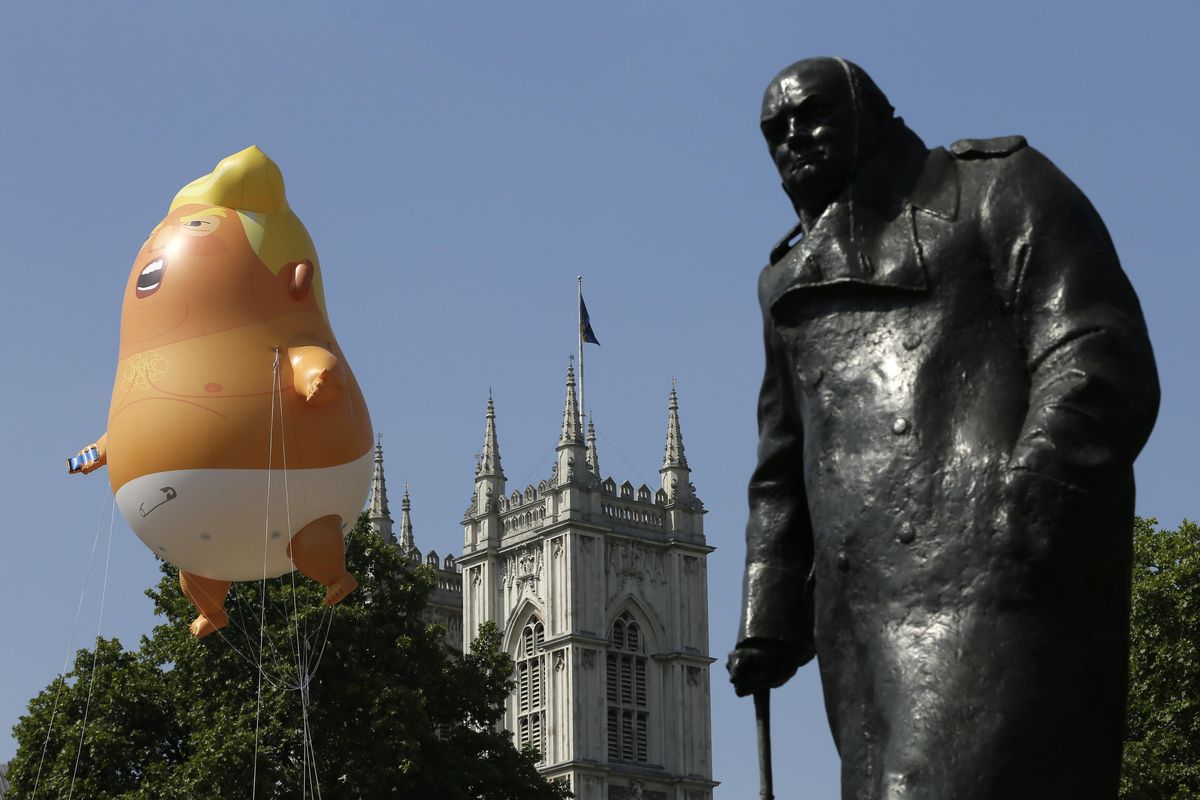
(808, 120)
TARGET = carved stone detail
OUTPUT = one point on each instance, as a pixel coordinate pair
(636, 790)
(634, 562)
(523, 569)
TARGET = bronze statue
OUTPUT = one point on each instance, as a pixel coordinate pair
(958, 379)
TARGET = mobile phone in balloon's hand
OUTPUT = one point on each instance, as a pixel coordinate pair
(77, 463)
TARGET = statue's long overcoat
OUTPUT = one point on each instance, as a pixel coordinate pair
(958, 378)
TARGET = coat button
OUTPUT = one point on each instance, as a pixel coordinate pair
(911, 341)
(906, 534)
(843, 562)
(899, 426)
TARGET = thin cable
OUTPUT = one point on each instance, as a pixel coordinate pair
(312, 670)
(623, 458)
(272, 649)
(262, 619)
(303, 657)
(95, 653)
(287, 505)
(537, 466)
(301, 644)
(71, 641)
(327, 621)
(275, 681)
(312, 749)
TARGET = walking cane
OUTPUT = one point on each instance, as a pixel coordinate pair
(762, 717)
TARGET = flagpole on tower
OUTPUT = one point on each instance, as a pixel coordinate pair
(586, 336)
(579, 330)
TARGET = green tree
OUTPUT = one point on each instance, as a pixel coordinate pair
(391, 712)
(1162, 743)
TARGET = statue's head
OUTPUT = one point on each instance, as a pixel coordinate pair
(821, 118)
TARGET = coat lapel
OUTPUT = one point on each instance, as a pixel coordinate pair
(872, 241)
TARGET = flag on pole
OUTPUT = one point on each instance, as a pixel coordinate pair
(586, 334)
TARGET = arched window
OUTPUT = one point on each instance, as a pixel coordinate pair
(628, 713)
(530, 694)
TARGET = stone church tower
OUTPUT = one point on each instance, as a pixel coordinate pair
(445, 601)
(600, 591)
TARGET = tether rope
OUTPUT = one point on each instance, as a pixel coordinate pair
(262, 619)
(95, 653)
(302, 657)
(71, 641)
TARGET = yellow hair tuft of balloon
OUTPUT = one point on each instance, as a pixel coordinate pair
(247, 180)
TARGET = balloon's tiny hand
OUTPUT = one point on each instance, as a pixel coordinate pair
(319, 373)
(90, 458)
(314, 387)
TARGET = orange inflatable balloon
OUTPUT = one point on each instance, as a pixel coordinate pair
(238, 442)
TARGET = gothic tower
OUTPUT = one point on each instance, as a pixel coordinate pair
(601, 594)
(445, 601)
(379, 515)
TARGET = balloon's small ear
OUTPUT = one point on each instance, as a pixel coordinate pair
(301, 279)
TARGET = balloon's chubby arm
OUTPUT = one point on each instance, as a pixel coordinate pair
(318, 374)
(90, 458)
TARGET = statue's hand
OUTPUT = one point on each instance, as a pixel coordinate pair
(762, 665)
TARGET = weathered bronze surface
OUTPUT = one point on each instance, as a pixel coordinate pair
(958, 379)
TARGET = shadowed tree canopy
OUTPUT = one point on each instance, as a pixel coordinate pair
(392, 712)
(1162, 743)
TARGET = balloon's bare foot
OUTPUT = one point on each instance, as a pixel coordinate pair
(319, 552)
(337, 591)
(208, 596)
(203, 626)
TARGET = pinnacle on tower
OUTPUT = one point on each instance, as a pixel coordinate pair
(407, 543)
(673, 457)
(572, 433)
(593, 459)
(488, 462)
(380, 517)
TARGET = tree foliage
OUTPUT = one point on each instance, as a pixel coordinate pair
(391, 711)
(1162, 743)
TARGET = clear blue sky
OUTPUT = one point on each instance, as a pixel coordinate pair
(458, 165)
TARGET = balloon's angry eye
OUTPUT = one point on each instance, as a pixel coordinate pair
(200, 225)
(151, 277)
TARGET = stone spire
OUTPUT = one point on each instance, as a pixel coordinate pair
(572, 432)
(674, 457)
(489, 475)
(489, 460)
(593, 459)
(407, 543)
(380, 518)
(571, 465)
(675, 473)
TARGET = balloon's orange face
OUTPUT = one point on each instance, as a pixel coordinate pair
(197, 274)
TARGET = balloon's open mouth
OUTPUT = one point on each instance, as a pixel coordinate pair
(151, 277)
